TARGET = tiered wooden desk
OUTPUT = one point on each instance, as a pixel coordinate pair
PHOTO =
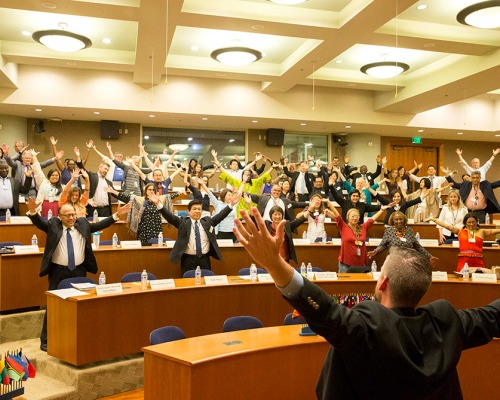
(92, 328)
(21, 287)
(229, 366)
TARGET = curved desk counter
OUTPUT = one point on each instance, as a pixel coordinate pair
(21, 287)
(229, 366)
(91, 328)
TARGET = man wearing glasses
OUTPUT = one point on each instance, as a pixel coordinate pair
(68, 250)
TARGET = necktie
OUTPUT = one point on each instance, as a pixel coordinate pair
(160, 189)
(197, 239)
(302, 183)
(71, 250)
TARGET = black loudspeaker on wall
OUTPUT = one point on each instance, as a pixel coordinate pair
(109, 129)
(275, 137)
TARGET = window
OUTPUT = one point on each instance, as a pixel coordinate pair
(298, 147)
(200, 143)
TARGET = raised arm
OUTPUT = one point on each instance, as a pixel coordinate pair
(216, 162)
(89, 146)
(59, 164)
(103, 156)
(141, 174)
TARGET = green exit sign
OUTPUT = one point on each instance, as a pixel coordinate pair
(416, 140)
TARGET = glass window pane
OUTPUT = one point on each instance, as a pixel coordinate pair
(298, 147)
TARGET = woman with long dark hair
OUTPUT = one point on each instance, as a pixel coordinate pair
(49, 188)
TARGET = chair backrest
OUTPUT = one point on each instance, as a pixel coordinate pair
(166, 334)
(182, 213)
(293, 321)
(246, 271)
(241, 323)
(320, 239)
(204, 272)
(66, 283)
(136, 277)
(3, 244)
(107, 242)
(358, 270)
(155, 240)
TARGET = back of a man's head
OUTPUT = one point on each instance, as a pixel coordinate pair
(409, 273)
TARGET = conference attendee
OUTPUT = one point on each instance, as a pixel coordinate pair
(267, 201)
(198, 193)
(368, 176)
(470, 239)
(452, 213)
(418, 348)
(399, 234)
(285, 191)
(478, 195)
(319, 188)
(276, 215)
(353, 201)
(475, 164)
(436, 181)
(302, 181)
(429, 205)
(397, 201)
(250, 185)
(393, 181)
(196, 239)
(99, 198)
(405, 178)
(68, 249)
(335, 185)
(9, 191)
(19, 167)
(465, 177)
(318, 210)
(49, 187)
(225, 227)
(69, 165)
(75, 196)
(352, 256)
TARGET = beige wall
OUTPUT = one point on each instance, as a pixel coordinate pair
(13, 128)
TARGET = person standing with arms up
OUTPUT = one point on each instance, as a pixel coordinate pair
(418, 348)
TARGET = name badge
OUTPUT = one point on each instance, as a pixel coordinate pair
(402, 239)
(216, 280)
(112, 288)
(162, 284)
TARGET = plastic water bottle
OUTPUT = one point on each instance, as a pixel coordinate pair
(160, 239)
(431, 216)
(49, 214)
(95, 216)
(197, 276)
(486, 218)
(417, 237)
(7, 216)
(303, 270)
(144, 280)
(115, 240)
(217, 187)
(465, 272)
(309, 271)
(304, 235)
(97, 239)
(323, 237)
(102, 278)
(34, 240)
(253, 273)
(374, 266)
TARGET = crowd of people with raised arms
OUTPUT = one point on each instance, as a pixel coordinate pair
(276, 188)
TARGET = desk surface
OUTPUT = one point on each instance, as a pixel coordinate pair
(218, 366)
(75, 337)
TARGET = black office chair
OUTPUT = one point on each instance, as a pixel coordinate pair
(320, 239)
(293, 321)
(66, 283)
(204, 272)
(136, 277)
(241, 323)
(107, 242)
(246, 271)
(166, 334)
(155, 240)
(358, 270)
(4, 244)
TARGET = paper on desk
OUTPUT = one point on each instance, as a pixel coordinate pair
(83, 286)
(65, 293)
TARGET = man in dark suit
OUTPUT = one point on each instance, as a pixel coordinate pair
(68, 250)
(417, 349)
(267, 201)
(99, 197)
(302, 181)
(368, 176)
(477, 195)
(9, 190)
(196, 239)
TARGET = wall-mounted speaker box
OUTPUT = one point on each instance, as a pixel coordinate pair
(109, 129)
(275, 137)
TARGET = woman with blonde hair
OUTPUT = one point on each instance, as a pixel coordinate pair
(452, 213)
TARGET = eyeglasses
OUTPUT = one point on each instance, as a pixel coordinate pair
(68, 215)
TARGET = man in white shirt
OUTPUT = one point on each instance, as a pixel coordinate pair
(436, 181)
(475, 164)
